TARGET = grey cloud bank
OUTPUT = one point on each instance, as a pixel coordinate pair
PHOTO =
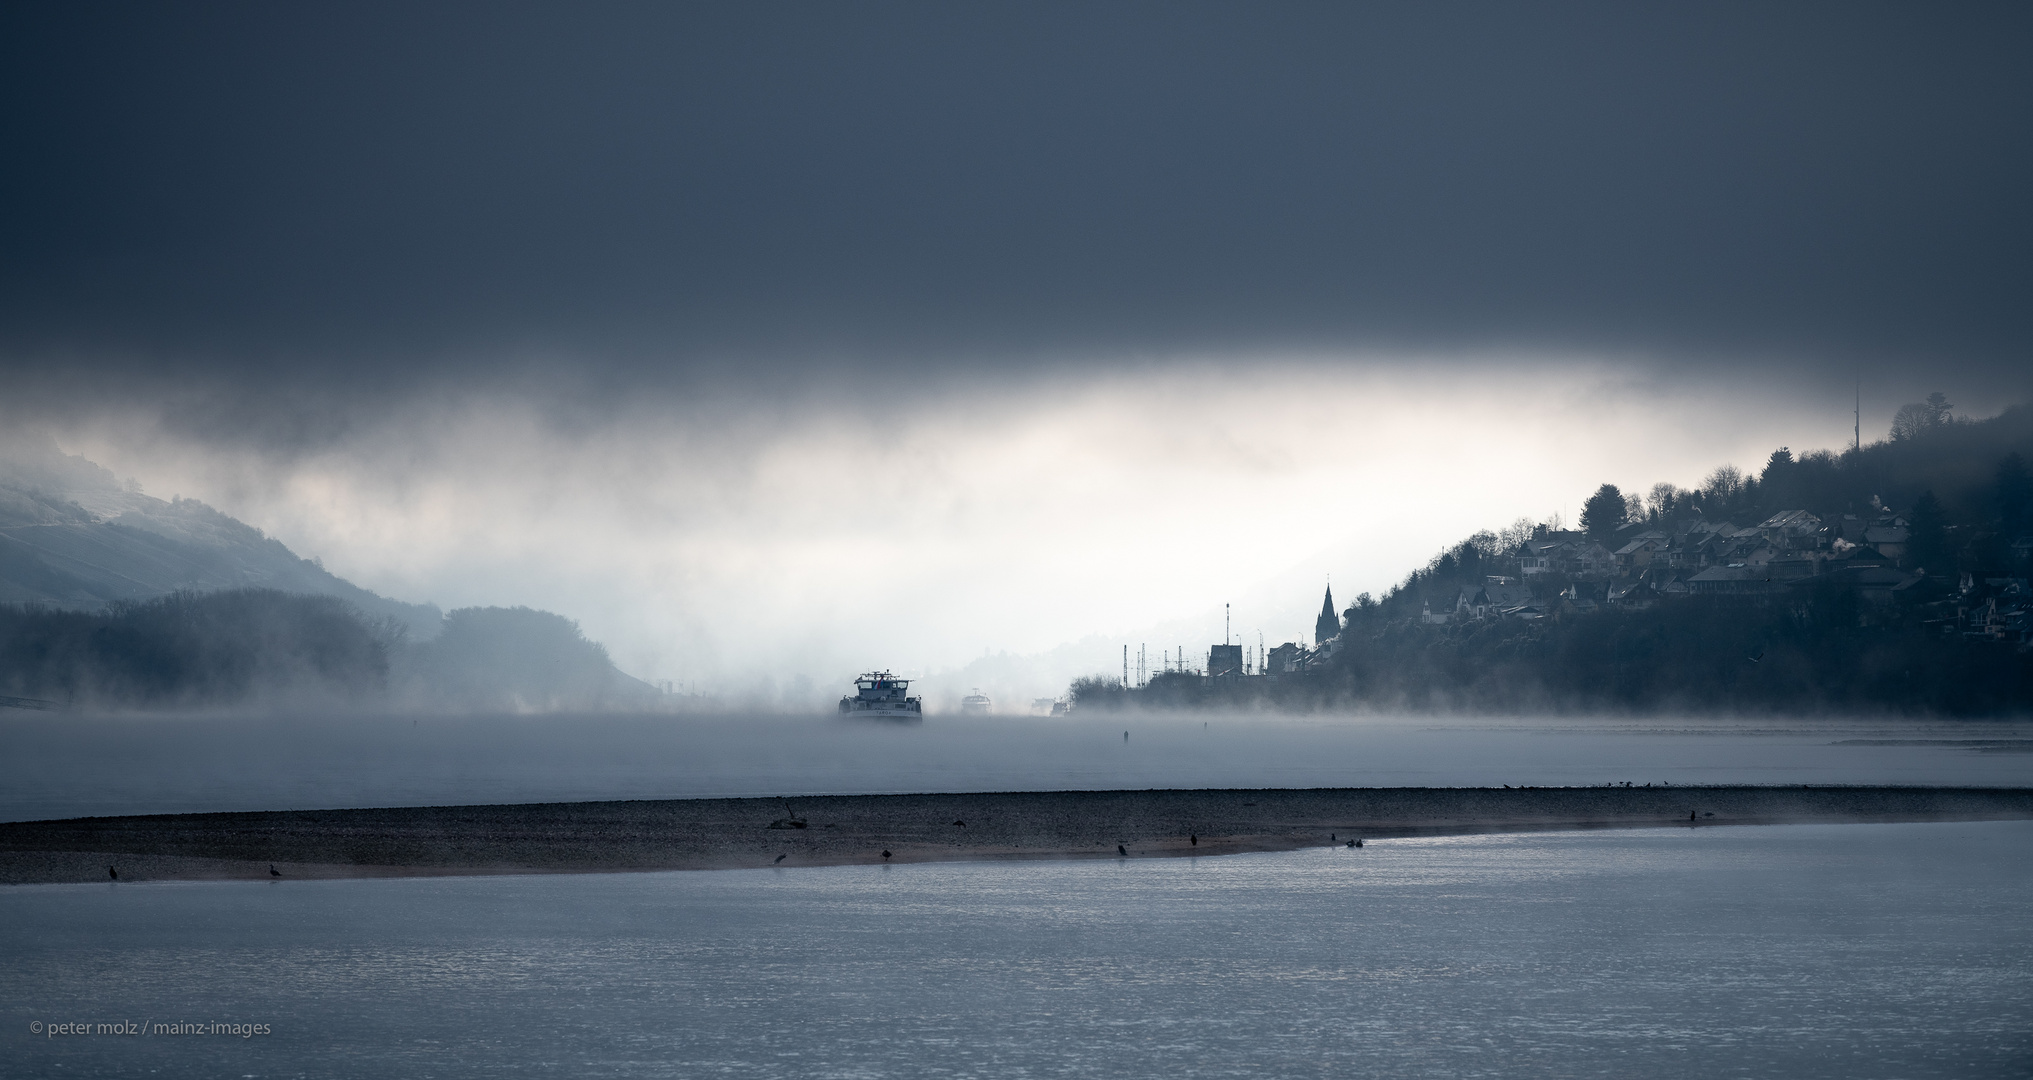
(311, 202)
(634, 312)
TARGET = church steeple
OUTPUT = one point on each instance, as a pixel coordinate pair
(1329, 623)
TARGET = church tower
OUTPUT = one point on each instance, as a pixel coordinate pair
(1329, 623)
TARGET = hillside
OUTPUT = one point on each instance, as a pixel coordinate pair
(1888, 578)
(73, 537)
(111, 599)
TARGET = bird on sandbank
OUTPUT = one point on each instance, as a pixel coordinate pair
(112, 873)
(885, 853)
(1120, 850)
(780, 858)
(1193, 839)
(272, 871)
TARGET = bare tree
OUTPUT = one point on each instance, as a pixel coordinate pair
(1917, 418)
(1663, 498)
(1723, 484)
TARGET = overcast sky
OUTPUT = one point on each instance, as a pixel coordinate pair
(1061, 318)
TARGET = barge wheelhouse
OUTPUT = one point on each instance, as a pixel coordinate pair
(879, 694)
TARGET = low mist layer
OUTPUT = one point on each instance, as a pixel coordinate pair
(269, 650)
(66, 766)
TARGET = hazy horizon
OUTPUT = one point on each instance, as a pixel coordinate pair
(816, 542)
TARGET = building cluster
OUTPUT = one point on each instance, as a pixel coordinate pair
(1789, 556)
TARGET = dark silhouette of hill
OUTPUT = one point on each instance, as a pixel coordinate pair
(110, 599)
(195, 650)
(515, 660)
(262, 648)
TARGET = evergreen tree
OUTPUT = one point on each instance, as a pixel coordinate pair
(1777, 481)
(1927, 541)
(1604, 512)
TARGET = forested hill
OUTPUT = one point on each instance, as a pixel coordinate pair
(1891, 577)
(73, 537)
(275, 651)
(110, 599)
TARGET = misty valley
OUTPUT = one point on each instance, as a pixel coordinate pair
(916, 541)
(1887, 579)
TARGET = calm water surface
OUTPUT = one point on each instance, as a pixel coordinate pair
(72, 766)
(1796, 951)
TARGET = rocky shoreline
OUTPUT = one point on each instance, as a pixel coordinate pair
(715, 834)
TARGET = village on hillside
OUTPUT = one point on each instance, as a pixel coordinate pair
(1686, 592)
(1560, 572)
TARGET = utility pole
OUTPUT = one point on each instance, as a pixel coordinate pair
(1224, 625)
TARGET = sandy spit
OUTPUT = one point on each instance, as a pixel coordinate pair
(713, 834)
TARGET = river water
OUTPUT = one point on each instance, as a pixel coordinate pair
(1783, 951)
(70, 766)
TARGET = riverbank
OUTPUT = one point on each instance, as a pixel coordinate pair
(715, 834)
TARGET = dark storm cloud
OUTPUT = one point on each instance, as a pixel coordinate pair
(354, 196)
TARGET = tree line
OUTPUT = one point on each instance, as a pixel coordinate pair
(263, 648)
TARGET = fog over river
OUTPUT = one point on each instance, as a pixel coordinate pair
(68, 766)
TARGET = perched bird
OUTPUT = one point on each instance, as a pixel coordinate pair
(1691, 816)
(272, 871)
(1358, 841)
(112, 873)
(1351, 843)
(1330, 837)
(885, 853)
(1120, 850)
(781, 858)
(1192, 839)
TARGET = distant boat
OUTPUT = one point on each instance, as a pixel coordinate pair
(881, 696)
(976, 704)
